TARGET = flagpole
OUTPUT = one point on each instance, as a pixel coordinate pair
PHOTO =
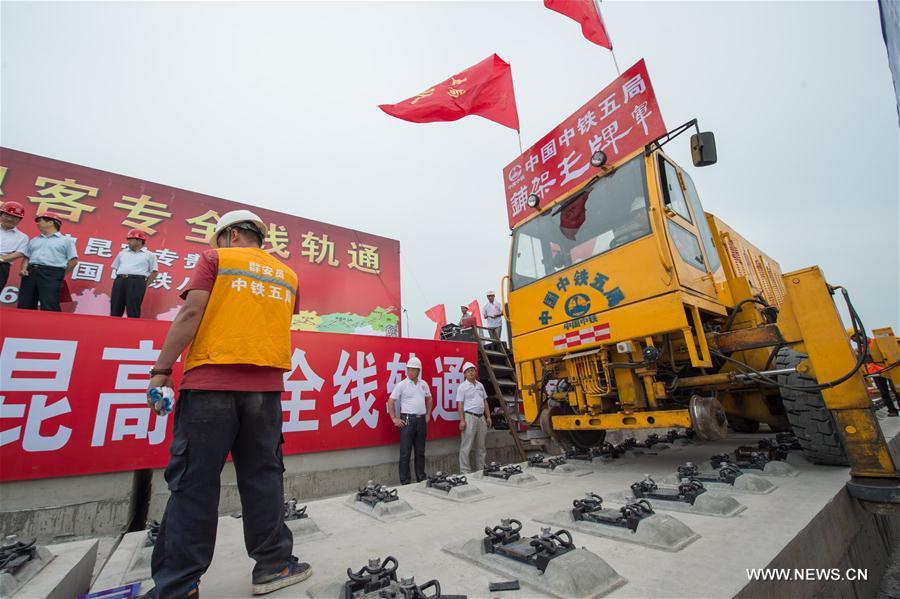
(519, 134)
(608, 36)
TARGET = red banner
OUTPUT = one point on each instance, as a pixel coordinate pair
(619, 120)
(72, 401)
(349, 280)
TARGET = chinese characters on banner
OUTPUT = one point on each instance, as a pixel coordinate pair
(349, 280)
(619, 120)
(73, 402)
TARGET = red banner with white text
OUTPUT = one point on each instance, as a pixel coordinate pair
(619, 120)
(72, 392)
(349, 280)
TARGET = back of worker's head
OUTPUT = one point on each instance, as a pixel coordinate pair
(240, 228)
(240, 234)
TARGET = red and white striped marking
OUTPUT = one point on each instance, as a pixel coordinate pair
(571, 339)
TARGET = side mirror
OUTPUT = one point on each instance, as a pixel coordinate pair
(703, 148)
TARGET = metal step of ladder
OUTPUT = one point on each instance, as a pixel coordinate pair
(502, 375)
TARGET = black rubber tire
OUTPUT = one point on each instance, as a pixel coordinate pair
(813, 424)
(743, 425)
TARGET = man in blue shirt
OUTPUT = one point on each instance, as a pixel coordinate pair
(48, 258)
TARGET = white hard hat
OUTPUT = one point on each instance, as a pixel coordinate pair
(491, 293)
(234, 217)
(467, 366)
(414, 362)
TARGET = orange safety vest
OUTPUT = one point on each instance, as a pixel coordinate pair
(248, 317)
(872, 367)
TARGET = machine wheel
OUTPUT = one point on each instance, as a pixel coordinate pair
(743, 425)
(579, 439)
(813, 424)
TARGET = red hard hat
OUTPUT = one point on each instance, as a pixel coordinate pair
(13, 209)
(137, 234)
(51, 215)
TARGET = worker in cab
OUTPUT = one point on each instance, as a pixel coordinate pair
(413, 396)
(237, 320)
(493, 315)
(474, 419)
(135, 269)
(12, 240)
(49, 257)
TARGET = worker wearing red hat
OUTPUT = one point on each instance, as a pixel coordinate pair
(135, 269)
(49, 257)
(12, 240)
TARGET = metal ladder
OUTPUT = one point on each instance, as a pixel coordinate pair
(504, 382)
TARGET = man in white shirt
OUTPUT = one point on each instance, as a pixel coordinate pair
(416, 402)
(135, 269)
(493, 315)
(12, 240)
(474, 419)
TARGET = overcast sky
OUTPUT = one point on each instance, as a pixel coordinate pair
(274, 104)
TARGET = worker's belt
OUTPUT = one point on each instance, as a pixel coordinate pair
(44, 267)
(131, 277)
(403, 415)
(479, 414)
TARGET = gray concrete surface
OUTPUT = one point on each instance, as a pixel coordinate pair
(809, 521)
(748, 482)
(66, 576)
(467, 493)
(659, 531)
(390, 511)
(57, 509)
(578, 574)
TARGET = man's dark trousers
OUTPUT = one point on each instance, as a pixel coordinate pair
(209, 424)
(41, 285)
(885, 387)
(412, 434)
(4, 274)
(128, 294)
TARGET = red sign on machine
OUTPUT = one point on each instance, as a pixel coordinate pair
(73, 402)
(349, 280)
(619, 120)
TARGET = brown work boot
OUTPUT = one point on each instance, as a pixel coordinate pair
(295, 571)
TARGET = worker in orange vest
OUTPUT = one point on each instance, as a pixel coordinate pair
(237, 320)
(884, 385)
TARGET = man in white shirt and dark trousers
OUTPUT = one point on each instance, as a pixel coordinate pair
(493, 315)
(12, 240)
(474, 419)
(416, 402)
(135, 269)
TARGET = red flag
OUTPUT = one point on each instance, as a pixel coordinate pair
(485, 89)
(476, 312)
(586, 13)
(438, 315)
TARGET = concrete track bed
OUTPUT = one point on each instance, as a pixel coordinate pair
(659, 531)
(467, 493)
(578, 574)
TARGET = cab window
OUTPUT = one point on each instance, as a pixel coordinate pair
(709, 246)
(674, 196)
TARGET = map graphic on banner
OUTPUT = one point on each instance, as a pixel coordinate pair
(619, 120)
(349, 280)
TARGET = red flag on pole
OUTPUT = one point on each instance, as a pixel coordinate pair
(485, 89)
(586, 13)
(438, 315)
(475, 309)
